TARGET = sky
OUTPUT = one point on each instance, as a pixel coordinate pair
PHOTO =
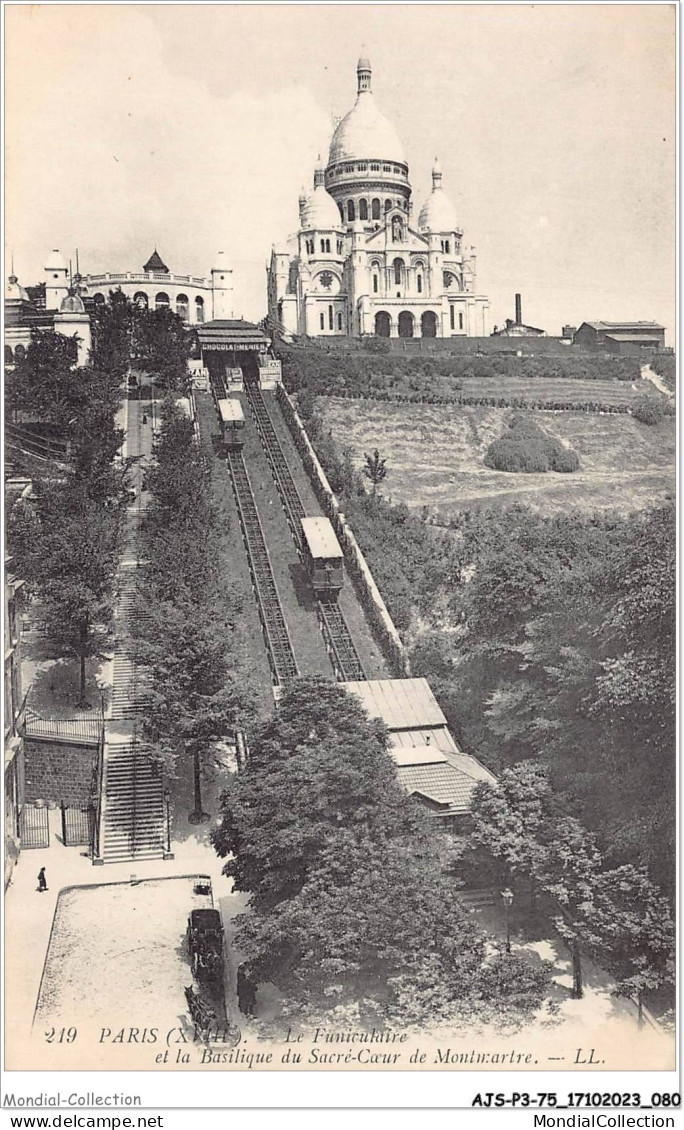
(193, 128)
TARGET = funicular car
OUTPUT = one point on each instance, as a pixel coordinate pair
(205, 944)
(323, 558)
(232, 423)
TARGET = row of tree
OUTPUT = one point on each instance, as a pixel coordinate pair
(616, 915)
(188, 644)
(352, 916)
(67, 535)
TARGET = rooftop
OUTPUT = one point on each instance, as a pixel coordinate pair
(402, 704)
(320, 537)
(624, 327)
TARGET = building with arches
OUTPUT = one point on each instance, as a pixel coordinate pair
(359, 264)
(195, 299)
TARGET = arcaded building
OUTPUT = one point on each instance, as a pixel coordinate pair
(360, 264)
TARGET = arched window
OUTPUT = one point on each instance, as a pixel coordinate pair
(363, 209)
(327, 246)
(375, 209)
(141, 300)
(375, 284)
(446, 247)
(339, 247)
(199, 309)
(161, 300)
(182, 306)
(351, 211)
(98, 299)
(9, 357)
(398, 266)
(460, 321)
(388, 205)
(19, 353)
(419, 283)
(322, 320)
(322, 245)
(330, 318)
(452, 317)
(341, 208)
(339, 321)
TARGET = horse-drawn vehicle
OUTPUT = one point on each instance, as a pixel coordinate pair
(205, 944)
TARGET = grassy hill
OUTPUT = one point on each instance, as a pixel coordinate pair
(435, 456)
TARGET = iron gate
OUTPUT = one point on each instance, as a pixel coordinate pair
(34, 827)
(77, 826)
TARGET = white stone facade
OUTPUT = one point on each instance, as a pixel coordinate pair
(359, 265)
(196, 299)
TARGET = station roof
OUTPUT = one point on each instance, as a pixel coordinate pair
(402, 704)
(224, 334)
(320, 537)
(230, 410)
(445, 781)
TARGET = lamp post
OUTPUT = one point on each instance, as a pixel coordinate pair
(508, 897)
(168, 854)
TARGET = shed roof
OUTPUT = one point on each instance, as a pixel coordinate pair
(624, 327)
(320, 537)
(230, 410)
(402, 704)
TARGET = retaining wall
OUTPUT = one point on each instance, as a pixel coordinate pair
(357, 566)
(60, 771)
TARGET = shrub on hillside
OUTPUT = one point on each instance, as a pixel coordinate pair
(526, 448)
(649, 409)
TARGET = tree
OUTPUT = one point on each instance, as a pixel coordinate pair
(637, 934)
(45, 376)
(373, 926)
(318, 766)
(375, 469)
(197, 696)
(508, 818)
(68, 547)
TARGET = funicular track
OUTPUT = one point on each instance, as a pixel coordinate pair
(341, 648)
(345, 658)
(283, 662)
(294, 507)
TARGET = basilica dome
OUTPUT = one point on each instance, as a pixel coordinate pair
(438, 213)
(318, 210)
(365, 133)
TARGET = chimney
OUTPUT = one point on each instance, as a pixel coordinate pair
(518, 310)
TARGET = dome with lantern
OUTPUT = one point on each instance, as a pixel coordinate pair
(365, 133)
(72, 304)
(438, 213)
(14, 292)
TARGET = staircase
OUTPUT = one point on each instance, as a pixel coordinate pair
(133, 817)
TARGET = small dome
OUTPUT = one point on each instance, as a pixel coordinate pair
(55, 261)
(14, 292)
(318, 211)
(72, 304)
(438, 213)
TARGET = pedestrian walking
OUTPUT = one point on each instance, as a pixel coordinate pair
(42, 881)
(144, 419)
(246, 991)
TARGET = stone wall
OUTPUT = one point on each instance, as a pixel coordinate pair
(58, 771)
(371, 599)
